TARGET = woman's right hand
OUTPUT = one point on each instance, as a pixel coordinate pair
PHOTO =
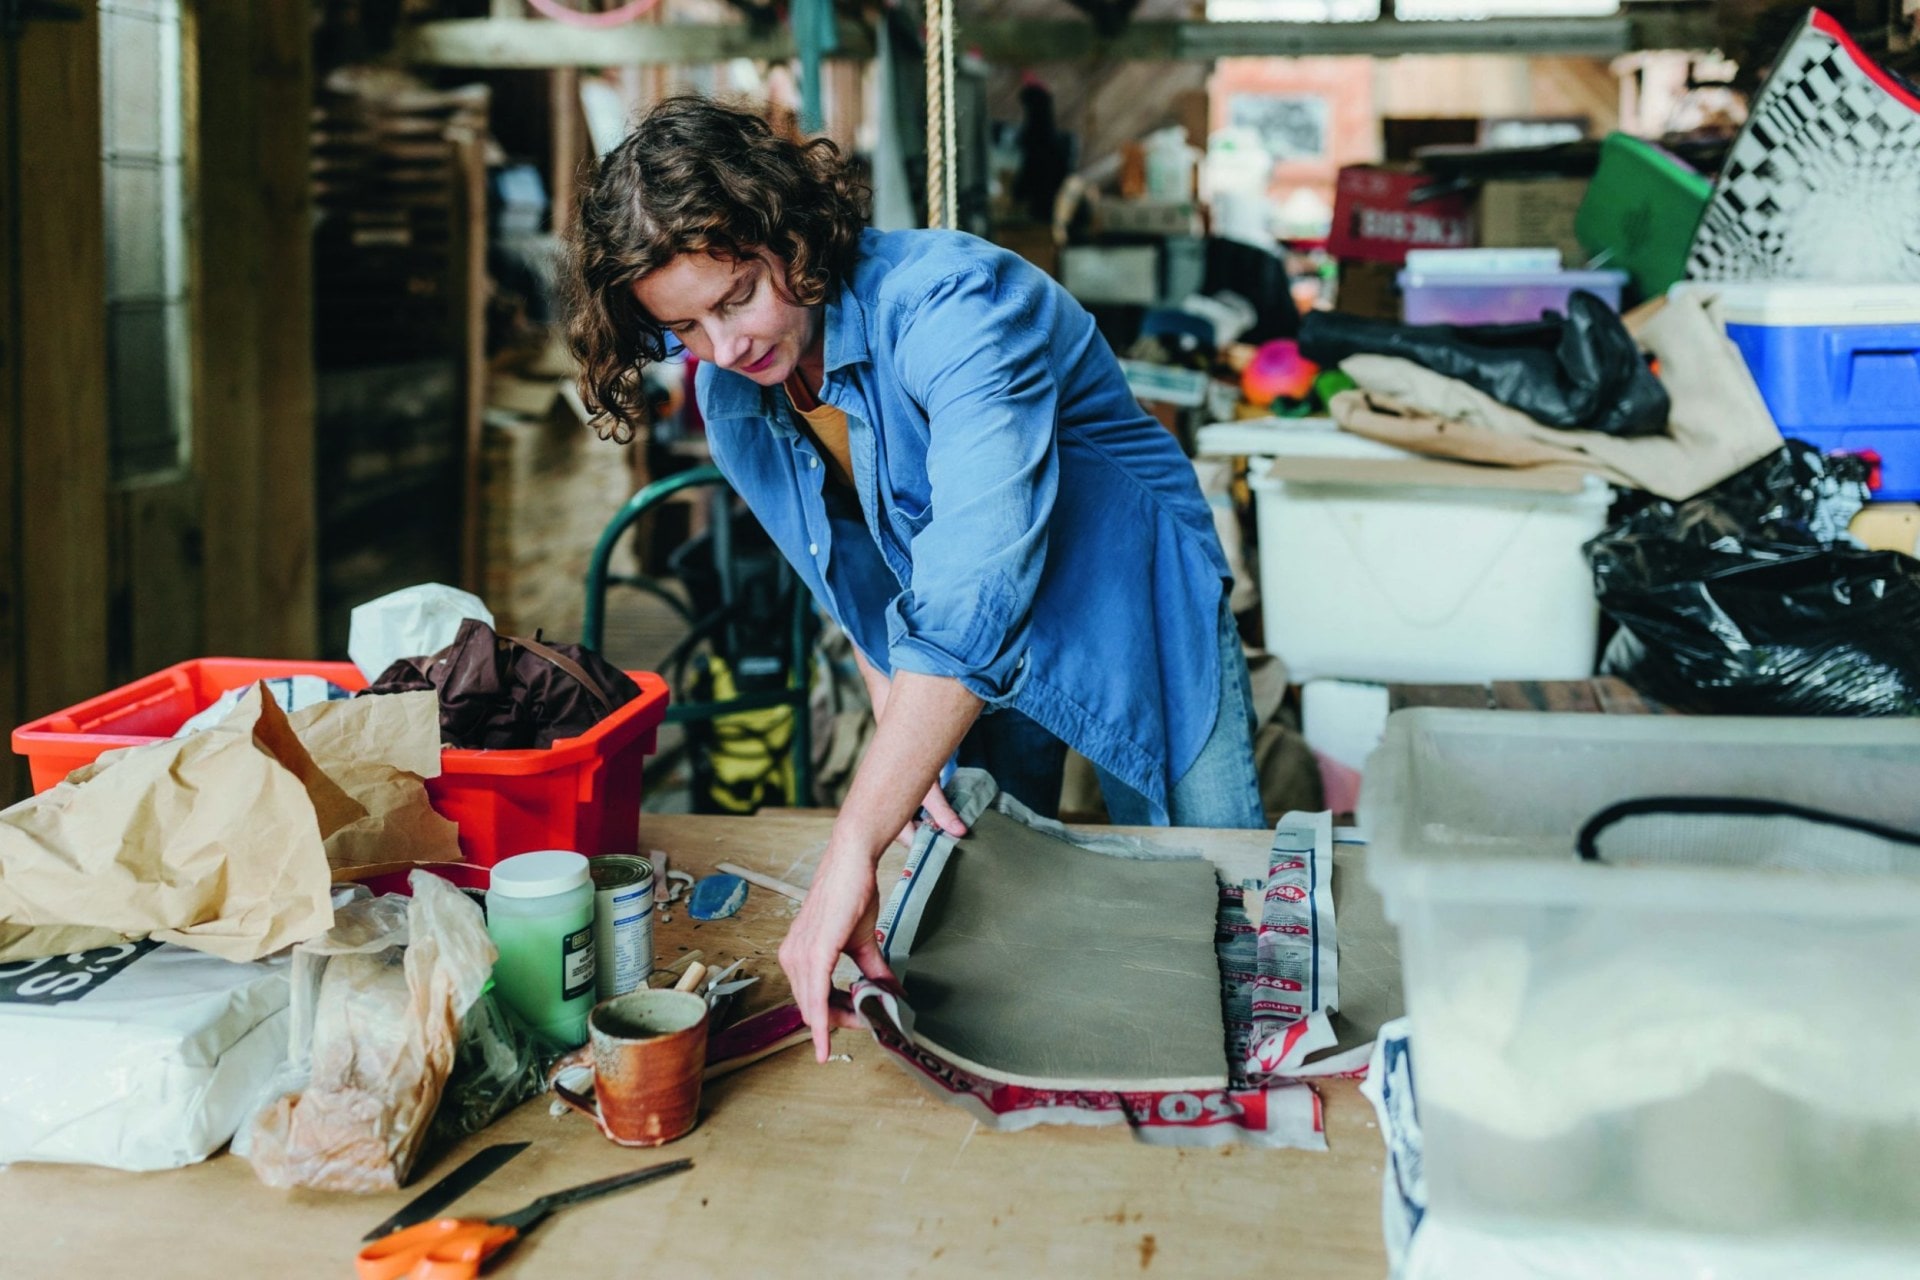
(926, 716)
(837, 918)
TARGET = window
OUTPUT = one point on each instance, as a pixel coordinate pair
(1291, 126)
(146, 221)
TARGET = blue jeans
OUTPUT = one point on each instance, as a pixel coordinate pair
(1025, 760)
(1220, 788)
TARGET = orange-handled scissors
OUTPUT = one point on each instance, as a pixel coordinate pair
(456, 1248)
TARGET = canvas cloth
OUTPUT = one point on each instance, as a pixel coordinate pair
(1718, 423)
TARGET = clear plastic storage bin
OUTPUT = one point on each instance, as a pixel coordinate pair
(1683, 1050)
(1452, 297)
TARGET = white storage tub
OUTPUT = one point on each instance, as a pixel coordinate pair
(1679, 1061)
(1374, 568)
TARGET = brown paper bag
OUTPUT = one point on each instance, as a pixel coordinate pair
(219, 840)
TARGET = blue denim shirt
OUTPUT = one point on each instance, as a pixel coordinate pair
(1021, 525)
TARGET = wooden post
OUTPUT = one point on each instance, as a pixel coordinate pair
(568, 137)
(53, 466)
(253, 348)
(468, 261)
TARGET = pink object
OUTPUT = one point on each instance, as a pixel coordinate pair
(1376, 216)
(593, 18)
(1339, 784)
(1276, 370)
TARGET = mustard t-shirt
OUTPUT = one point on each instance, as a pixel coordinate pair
(828, 426)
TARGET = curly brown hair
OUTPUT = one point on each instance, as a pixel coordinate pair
(696, 176)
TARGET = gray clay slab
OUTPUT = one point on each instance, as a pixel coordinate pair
(1055, 966)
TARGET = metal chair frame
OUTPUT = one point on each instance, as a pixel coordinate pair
(799, 666)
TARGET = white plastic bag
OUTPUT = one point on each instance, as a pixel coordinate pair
(378, 1002)
(409, 623)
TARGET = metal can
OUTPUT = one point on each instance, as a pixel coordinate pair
(622, 923)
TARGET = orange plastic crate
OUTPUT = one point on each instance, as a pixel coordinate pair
(581, 793)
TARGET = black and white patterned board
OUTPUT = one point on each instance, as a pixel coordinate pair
(1823, 183)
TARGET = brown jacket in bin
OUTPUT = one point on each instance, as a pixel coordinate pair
(505, 693)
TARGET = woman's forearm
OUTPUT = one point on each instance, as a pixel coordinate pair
(926, 716)
(877, 686)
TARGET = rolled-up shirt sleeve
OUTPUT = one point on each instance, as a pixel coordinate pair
(976, 355)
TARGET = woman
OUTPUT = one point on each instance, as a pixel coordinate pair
(944, 447)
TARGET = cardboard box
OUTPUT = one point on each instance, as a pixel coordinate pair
(1532, 213)
(1376, 216)
(1420, 569)
(1369, 289)
(1033, 242)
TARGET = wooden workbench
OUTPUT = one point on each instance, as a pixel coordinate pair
(800, 1169)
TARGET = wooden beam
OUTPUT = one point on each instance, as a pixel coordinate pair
(482, 42)
(56, 364)
(253, 349)
(13, 775)
(529, 43)
(1023, 42)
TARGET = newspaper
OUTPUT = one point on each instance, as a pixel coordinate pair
(1278, 982)
(1403, 1182)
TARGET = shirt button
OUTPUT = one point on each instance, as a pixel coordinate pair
(812, 462)
(813, 548)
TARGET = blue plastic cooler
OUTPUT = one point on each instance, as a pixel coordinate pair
(1839, 366)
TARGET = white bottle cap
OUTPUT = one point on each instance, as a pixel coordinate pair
(540, 875)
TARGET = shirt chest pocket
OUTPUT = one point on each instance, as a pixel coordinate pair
(909, 513)
(905, 490)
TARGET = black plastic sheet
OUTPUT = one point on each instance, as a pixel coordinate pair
(1582, 370)
(1751, 599)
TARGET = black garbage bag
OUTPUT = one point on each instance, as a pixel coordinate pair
(1581, 370)
(1750, 599)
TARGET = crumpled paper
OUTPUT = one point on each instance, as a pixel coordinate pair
(220, 841)
(377, 1007)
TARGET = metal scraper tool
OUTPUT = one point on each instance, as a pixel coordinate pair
(474, 1170)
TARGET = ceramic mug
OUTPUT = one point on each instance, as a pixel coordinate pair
(649, 1050)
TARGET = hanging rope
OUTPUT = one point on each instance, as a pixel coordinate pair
(942, 179)
(948, 112)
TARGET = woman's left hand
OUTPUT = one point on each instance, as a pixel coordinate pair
(938, 812)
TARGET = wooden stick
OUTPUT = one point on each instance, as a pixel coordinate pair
(793, 891)
(691, 978)
(714, 1070)
(677, 968)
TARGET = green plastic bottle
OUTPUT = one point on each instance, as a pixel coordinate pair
(540, 916)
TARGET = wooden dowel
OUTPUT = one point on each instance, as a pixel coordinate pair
(793, 891)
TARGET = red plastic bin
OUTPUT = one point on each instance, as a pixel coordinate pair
(581, 793)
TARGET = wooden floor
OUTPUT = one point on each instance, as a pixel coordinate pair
(1605, 695)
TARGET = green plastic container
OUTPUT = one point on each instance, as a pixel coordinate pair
(540, 917)
(1641, 211)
